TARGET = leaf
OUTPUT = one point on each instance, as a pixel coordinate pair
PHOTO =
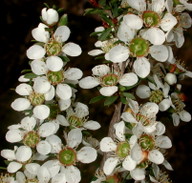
(110, 100)
(65, 58)
(129, 95)
(106, 19)
(93, 11)
(102, 3)
(30, 75)
(105, 34)
(96, 99)
(63, 20)
(123, 100)
(25, 70)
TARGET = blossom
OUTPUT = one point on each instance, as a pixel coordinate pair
(108, 79)
(49, 16)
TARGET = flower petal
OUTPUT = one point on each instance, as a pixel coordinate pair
(23, 153)
(163, 142)
(136, 153)
(39, 67)
(64, 91)
(32, 168)
(43, 147)
(20, 104)
(62, 33)
(72, 49)
(13, 167)
(128, 117)
(107, 144)
(185, 116)
(41, 111)
(64, 104)
(139, 5)
(59, 178)
(138, 174)
(88, 82)
(24, 89)
(28, 123)
(92, 125)
(120, 130)
(8, 154)
(50, 94)
(41, 85)
(73, 74)
(46, 129)
(108, 91)
(159, 52)
(164, 104)
(55, 143)
(35, 52)
(156, 157)
(43, 174)
(50, 16)
(133, 21)
(74, 138)
(158, 5)
(143, 91)
(128, 79)
(95, 52)
(72, 174)
(54, 63)
(168, 22)
(110, 165)
(14, 136)
(128, 163)
(53, 167)
(101, 70)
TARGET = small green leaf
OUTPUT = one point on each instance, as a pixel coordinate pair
(30, 75)
(93, 11)
(63, 20)
(129, 125)
(65, 58)
(105, 34)
(25, 70)
(129, 95)
(110, 100)
(102, 3)
(123, 100)
(96, 99)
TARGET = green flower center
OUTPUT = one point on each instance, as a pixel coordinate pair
(31, 139)
(53, 47)
(75, 121)
(55, 77)
(146, 142)
(156, 96)
(67, 156)
(139, 47)
(143, 119)
(151, 19)
(110, 79)
(123, 149)
(36, 99)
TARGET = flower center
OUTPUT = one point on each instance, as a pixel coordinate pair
(156, 96)
(139, 47)
(75, 121)
(151, 18)
(67, 156)
(55, 77)
(36, 98)
(53, 47)
(145, 121)
(179, 105)
(146, 142)
(31, 139)
(123, 149)
(110, 79)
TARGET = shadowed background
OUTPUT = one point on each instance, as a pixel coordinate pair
(19, 17)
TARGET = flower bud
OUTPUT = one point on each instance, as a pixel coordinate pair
(50, 16)
(171, 78)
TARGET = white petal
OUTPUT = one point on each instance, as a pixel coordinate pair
(167, 165)
(81, 110)
(43, 147)
(14, 136)
(143, 91)
(72, 49)
(28, 123)
(107, 144)
(13, 167)
(20, 104)
(50, 16)
(176, 119)
(138, 174)
(168, 22)
(62, 33)
(46, 129)
(160, 129)
(72, 174)
(92, 125)
(142, 67)
(101, 70)
(133, 21)
(8, 154)
(164, 104)
(95, 52)
(158, 5)
(23, 79)
(120, 130)
(149, 109)
(108, 91)
(110, 165)
(73, 74)
(156, 157)
(43, 175)
(64, 91)
(88, 82)
(185, 20)
(24, 89)
(41, 112)
(87, 155)
(35, 52)
(62, 120)
(163, 142)
(54, 63)
(23, 153)
(32, 168)
(50, 94)
(128, 79)
(41, 85)
(128, 163)
(136, 153)
(53, 167)
(20, 177)
(179, 37)
(185, 116)
(118, 54)
(139, 5)
(159, 52)
(55, 142)
(39, 67)
(59, 178)
(128, 117)
(64, 104)
(74, 138)
(169, 5)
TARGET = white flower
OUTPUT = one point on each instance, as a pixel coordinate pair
(50, 16)
(108, 79)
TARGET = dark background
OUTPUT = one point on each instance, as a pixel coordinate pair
(19, 17)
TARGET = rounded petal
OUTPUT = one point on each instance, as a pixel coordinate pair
(168, 22)
(128, 79)
(13, 167)
(101, 70)
(43, 174)
(23, 153)
(185, 116)
(55, 143)
(72, 174)
(8, 154)
(136, 153)
(62, 33)
(24, 89)
(62, 120)
(43, 147)
(133, 21)
(138, 174)
(59, 178)
(159, 52)
(128, 117)
(149, 109)
(54, 63)
(139, 5)
(14, 136)
(160, 129)
(88, 82)
(167, 165)
(46, 129)
(92, 125)
(39, 67)
(163, 142)
(185, 20)
(176, 119)
(171, 78)
(107, 144)
(64, 104)
(156, 157)
(28, 123)
(95, 52)
(87, 155)
(35, 52)
(41, 85)
(53, 167)
(108, 91)
(20, 104)
(110, 165)
(164, 104)
(72, 49)
(142, 67)
(41, 111)
(73, 74)
(117, 54)
(143, 91)
(120, 130)
(129, 164)
(64, 91)
(158, 5)
(50, 16)
(50, 94)
(32, 168)
(74, 138)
